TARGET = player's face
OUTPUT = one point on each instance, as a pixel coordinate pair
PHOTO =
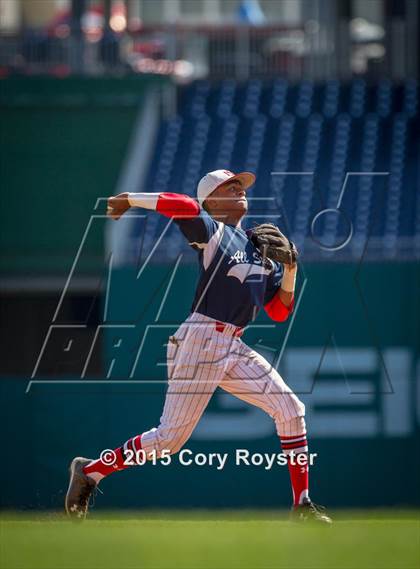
(229, 199)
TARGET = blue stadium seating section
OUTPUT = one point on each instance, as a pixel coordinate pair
(314, 148)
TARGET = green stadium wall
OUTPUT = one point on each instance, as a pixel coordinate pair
(62, 144)
(352, 352)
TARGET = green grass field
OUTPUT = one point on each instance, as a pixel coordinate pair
(199, 540)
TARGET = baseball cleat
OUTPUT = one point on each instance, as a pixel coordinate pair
(308, 511)
(80, 489)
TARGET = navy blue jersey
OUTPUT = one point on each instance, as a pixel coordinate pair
(233, 283)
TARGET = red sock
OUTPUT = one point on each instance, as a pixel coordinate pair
(114, 460)
(299, 477)
(296, 448)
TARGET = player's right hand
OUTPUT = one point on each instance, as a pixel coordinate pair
(118, 205)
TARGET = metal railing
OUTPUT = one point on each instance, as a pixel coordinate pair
(189, 52)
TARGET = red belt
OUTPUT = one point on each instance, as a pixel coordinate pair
(221, 326)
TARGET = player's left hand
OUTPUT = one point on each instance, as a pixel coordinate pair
(272, 244)
(118, 205)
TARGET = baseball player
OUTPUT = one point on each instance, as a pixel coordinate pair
(240, 273)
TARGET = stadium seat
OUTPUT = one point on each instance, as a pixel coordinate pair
(305, 142)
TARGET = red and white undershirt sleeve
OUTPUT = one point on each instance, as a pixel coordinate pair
(275, 309)
(166, 203)
(278, 311)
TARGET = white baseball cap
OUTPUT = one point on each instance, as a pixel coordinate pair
(213, 180)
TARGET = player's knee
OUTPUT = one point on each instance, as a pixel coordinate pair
(296, 409)
(301, 410)
(295, 420)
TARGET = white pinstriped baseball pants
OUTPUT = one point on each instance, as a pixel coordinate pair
(200, 359)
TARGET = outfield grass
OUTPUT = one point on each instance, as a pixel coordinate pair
(199, 540)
